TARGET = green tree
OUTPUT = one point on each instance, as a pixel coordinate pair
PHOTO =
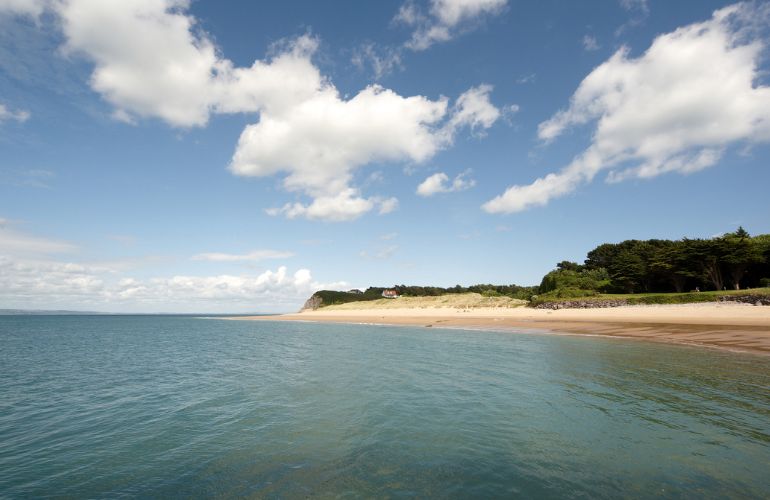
(739, 252)
(708, 255)
(627, 271)
(567, 265)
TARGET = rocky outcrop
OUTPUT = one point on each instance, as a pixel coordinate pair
(756, 299)
(583, 304)
(313, 303)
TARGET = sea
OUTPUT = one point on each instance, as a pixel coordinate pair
(190, 407)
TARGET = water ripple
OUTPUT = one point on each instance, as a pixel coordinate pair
(181, 407)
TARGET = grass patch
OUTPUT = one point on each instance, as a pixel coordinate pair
(646, 298)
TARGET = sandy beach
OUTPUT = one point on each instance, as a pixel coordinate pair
(728, 325)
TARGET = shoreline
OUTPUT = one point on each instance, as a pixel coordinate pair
(733, 327)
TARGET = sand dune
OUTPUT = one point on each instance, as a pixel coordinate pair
(453, 300)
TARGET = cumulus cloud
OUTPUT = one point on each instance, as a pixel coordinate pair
(676, 108)
(18, 115)
(255, 256)
(152, 60)
(345, 206)
(46, 284)
(278, 285)
(445, 18)
(474, 110)
(38, 273)
(440, 183)
(320, 142)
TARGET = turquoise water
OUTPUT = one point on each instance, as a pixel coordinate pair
(132, 406)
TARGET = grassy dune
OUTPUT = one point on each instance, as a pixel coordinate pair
(453, 300)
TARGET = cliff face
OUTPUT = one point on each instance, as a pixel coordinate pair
(313, 303)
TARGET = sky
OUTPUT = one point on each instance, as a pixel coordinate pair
(228, 157)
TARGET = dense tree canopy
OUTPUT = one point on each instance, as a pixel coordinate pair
(734, 260)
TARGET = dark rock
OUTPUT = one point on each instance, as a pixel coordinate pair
(749, 298)
(582, 304)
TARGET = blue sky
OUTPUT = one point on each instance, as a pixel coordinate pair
(164, 155)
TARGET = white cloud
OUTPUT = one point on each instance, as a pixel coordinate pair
(675, 108)
(381, 254)
(635, 5)
(279, 284)
(445, 19)
(7, 114)
(387, 205)
(152, 60)
(27, 177)
(409, 14)
(45, 284)
(320, 142)
(14, 242)
(31, 8)
(474, 110)
(590, 43)
(382, 60)
(638, 10)
(255, 256)
(527, 78)
(33, 275)
(439, 183)
(148, 61)
(23, 283)
(344, 206)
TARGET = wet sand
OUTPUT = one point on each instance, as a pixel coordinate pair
(739, 327)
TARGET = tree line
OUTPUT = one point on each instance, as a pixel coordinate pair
(734, 260)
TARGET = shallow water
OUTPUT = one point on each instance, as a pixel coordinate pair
(110, 406)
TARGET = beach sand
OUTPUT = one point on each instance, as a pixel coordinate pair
(728, 325)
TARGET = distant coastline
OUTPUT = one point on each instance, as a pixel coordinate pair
(47, 312)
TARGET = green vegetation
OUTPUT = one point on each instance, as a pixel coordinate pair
(632, 271)
(734, 260)
(649, 298)
(660, 271)
(330, 297)
(512, 291)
